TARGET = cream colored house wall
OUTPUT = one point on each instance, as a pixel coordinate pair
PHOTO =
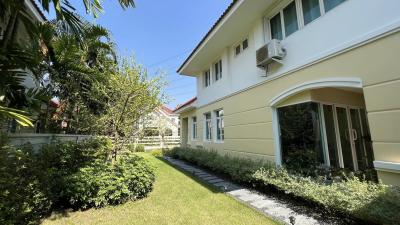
(248, 115)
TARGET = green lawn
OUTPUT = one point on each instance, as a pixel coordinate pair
(176, 199)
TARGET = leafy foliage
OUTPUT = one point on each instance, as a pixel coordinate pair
(64, 175)
(372, 202)
(139, 148)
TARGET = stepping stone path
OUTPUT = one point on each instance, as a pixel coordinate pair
(269, 206)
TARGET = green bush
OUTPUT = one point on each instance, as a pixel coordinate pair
(139, 148)
(23, 197)
(100, 184)
(63, 175)
(372, 202)
(157, 152)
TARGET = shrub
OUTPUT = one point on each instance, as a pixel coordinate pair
(67, 174)
(100, 184)
(157, 152)
(372, 202)
(22, 194)
(139, 148)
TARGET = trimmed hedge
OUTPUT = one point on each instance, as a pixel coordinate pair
(67, 175)
(368, 201)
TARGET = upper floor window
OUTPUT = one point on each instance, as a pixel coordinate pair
(220, 124)
(218, 70)
(276, 27)
(194, 127)
(311, 10)
(207, 126)
(238, 49)
(292, 19)
(241, 47)
(245, 44)
(330, 4)
(207, 78)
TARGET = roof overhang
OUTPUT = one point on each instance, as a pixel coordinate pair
(187, 106)
(237, 19)
(35, 10)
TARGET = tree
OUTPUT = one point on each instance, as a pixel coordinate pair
(21, 59)
(130, 95)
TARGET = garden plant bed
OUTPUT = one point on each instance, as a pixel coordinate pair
(293, 210)
(347, 201)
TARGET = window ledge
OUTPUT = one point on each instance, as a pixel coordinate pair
(387, 166)
(219, 142)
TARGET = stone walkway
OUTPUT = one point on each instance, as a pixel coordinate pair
(268, 205)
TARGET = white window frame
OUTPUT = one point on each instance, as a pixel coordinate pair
(217, 74)
(219, 119)
(209, 121)
(207, 73)
(194, 128)
(300, 17)
(235, 53)
(240, 46)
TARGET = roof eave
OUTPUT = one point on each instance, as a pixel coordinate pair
(209, 34)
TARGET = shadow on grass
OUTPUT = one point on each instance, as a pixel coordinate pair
(384, 209)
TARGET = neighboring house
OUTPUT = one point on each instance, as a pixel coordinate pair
(331, 90)
(29, 82)
(163, 121)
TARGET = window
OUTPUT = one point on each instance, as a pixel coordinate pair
(301, 136)
(207, 78)
(220, 124)
(311, 10)
(194, 128)
(207, 126)
(313, 133)
(330, 4)
(245, 44)
(276, 27)
(241, 47)
(237, 50)
(218, 70)
(290, 19)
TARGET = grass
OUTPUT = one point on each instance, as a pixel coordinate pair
(177, 198)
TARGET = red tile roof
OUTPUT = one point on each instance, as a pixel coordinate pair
(227, 10)
(185, 104)
(166, 109)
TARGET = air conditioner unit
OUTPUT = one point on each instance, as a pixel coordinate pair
(269, 53)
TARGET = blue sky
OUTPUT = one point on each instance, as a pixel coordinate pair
(161, 34)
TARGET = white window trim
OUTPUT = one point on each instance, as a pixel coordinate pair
(209, 79)
(205, 128)
(197, 134)
(300, 16)
(214, 73)
(274, 102)
(240, 45)
(218, 141)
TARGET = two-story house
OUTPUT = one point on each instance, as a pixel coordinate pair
(329, 84)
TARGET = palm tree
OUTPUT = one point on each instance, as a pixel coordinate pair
(18, 60)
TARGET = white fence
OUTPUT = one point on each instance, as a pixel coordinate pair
(37, 140)
(157, 142)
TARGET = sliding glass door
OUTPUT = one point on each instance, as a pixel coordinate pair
(347, 136)
(344, 133)
(314, 133)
